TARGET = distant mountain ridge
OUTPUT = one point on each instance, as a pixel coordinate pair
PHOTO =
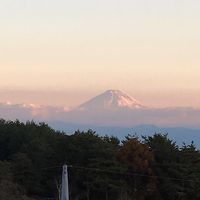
(179, 134)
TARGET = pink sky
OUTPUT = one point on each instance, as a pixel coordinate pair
(73, 51)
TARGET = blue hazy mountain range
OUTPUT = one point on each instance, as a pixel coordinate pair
(179, 134)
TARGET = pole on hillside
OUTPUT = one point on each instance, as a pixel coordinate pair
(65, 185)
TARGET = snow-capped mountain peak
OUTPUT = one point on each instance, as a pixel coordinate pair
(111, 99)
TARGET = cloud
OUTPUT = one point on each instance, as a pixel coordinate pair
(171, 117)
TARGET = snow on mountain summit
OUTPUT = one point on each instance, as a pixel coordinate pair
(111, 99)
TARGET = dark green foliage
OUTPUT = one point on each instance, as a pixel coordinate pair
(178, 169)
(100, 168)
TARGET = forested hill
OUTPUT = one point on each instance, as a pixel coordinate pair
(100, 168)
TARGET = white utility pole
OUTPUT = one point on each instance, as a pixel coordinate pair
(65, 185)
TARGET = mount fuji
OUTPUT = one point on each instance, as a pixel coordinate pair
(111, 100)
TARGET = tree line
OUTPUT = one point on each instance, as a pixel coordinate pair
(100, 168)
